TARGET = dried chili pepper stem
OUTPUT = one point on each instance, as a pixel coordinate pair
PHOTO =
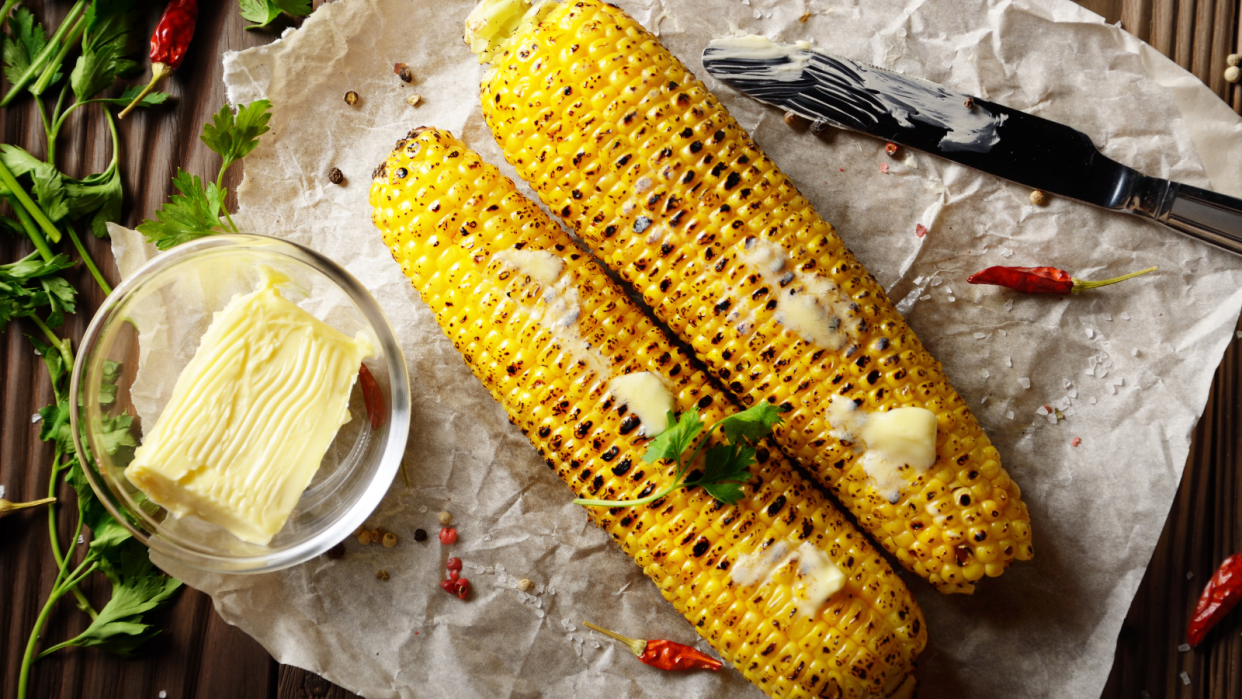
(1043, 280)
(1220, 596)
(168, 45)
(636, 645)
(662, 654)
(7, 507)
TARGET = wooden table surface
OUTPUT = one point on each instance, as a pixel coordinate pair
(201, 657)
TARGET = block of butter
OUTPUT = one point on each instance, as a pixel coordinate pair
(250, 417)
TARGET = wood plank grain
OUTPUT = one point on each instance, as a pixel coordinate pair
(201, 657)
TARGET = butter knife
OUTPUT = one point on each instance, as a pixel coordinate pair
(1004, 142)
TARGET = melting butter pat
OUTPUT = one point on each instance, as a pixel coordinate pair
(815, 578)
(646, 397)
(904, 435)
(250, 417)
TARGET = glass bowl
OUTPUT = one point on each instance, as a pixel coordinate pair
(148, 330)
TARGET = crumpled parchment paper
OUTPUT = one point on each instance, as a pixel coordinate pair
(1129, 367)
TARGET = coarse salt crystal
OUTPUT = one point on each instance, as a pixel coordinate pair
(1024, 381)
(3, 490)
(952, 299)
(1090, 371)
(936, 281)
(948, 290)
(163, 694)
(1003, 333)
(1184, 648)
(1108, 317)
(925, 297)
(984, 401)
(35, 418)
(1009, 361)
(1190, 574)
(1134, 352)
(81, 539)
(1112, 390)
(758, 14)
(1185, 678)
(1066, 383)
(1125, 315)
(1092, 400)
(1008, 305)
(918, 280)
(1090, 333)
(986, 373)
(979, 336)
(1009, 414)
(1073, 393)
(422, 508)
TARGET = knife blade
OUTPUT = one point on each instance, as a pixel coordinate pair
(1008, 143)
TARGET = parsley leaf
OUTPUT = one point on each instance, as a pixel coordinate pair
(752, 423)
(100, 193)
(152, 98)
(27, 40)
(194, 213)
(108, 42)
(49, 184)
(263, 12)
(726, 467)
(670, 443)
(31, 284)
(234, 136)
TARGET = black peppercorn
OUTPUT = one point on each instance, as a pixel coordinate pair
(420, 535)
(335, 176)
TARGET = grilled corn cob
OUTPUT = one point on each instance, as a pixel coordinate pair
(548, 334)
(623, 143)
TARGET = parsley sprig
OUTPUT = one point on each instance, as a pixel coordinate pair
(197, 210)
(138, 587)
(726, 466)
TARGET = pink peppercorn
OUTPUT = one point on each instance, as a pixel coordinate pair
(1076, 442)
(453, 564)
(463, 588)
(920, 230)
(448, 535)
(449, 586)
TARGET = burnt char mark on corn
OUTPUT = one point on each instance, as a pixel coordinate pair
(730, 189)
(557, 396)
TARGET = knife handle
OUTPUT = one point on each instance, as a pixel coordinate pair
(1211, 217)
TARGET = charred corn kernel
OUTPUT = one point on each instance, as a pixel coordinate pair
(623, 143)
(547, 332)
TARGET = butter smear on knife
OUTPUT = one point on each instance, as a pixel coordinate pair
(251, 416)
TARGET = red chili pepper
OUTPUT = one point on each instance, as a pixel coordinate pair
(1042, 280)
(371, 396)
(168, 45)
(666, 655)
(1221, 595)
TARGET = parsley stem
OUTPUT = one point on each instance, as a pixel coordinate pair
(90, 263)
(4, 11)
(62, 346)
(32, 231)
(632, 503)
(45, 54)
(75, 35)
(54, 535)
(15, 188)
